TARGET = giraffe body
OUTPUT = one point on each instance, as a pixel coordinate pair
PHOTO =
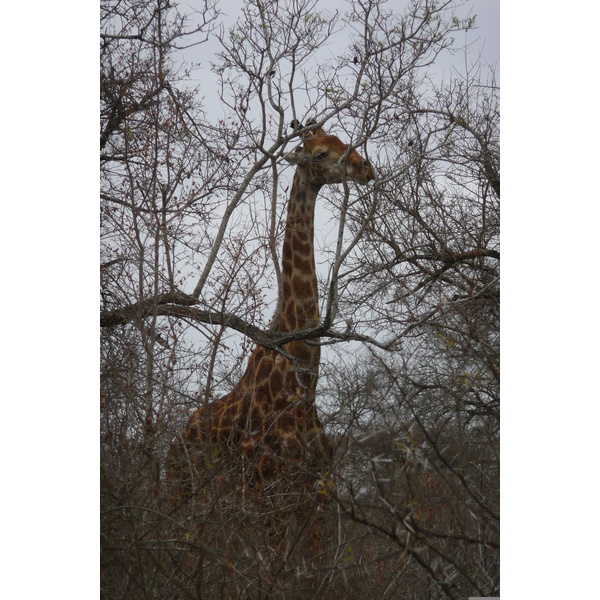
(267, 427)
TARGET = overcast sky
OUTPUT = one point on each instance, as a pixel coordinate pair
(487, 21)
(483, 40)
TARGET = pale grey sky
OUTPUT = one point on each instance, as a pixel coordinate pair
(483, 40)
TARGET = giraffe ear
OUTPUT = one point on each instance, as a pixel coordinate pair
(298, 155)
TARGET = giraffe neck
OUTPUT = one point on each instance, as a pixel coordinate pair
(300, 301)
(271, 410)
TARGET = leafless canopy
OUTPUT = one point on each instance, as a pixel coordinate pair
(194, 124)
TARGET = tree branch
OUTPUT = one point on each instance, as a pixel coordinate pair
(180, 305)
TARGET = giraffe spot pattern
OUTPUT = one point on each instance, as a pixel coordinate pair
(270, 415)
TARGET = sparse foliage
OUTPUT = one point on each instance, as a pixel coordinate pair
(192, 205)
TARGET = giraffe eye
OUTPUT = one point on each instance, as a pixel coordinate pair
(321, 155)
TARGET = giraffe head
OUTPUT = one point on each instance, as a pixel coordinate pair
(327, 160)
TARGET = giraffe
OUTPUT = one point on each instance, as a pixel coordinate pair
(268, 423)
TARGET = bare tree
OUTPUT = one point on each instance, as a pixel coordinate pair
(192, 206)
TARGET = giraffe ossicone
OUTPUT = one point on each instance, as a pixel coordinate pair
(268, 423)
